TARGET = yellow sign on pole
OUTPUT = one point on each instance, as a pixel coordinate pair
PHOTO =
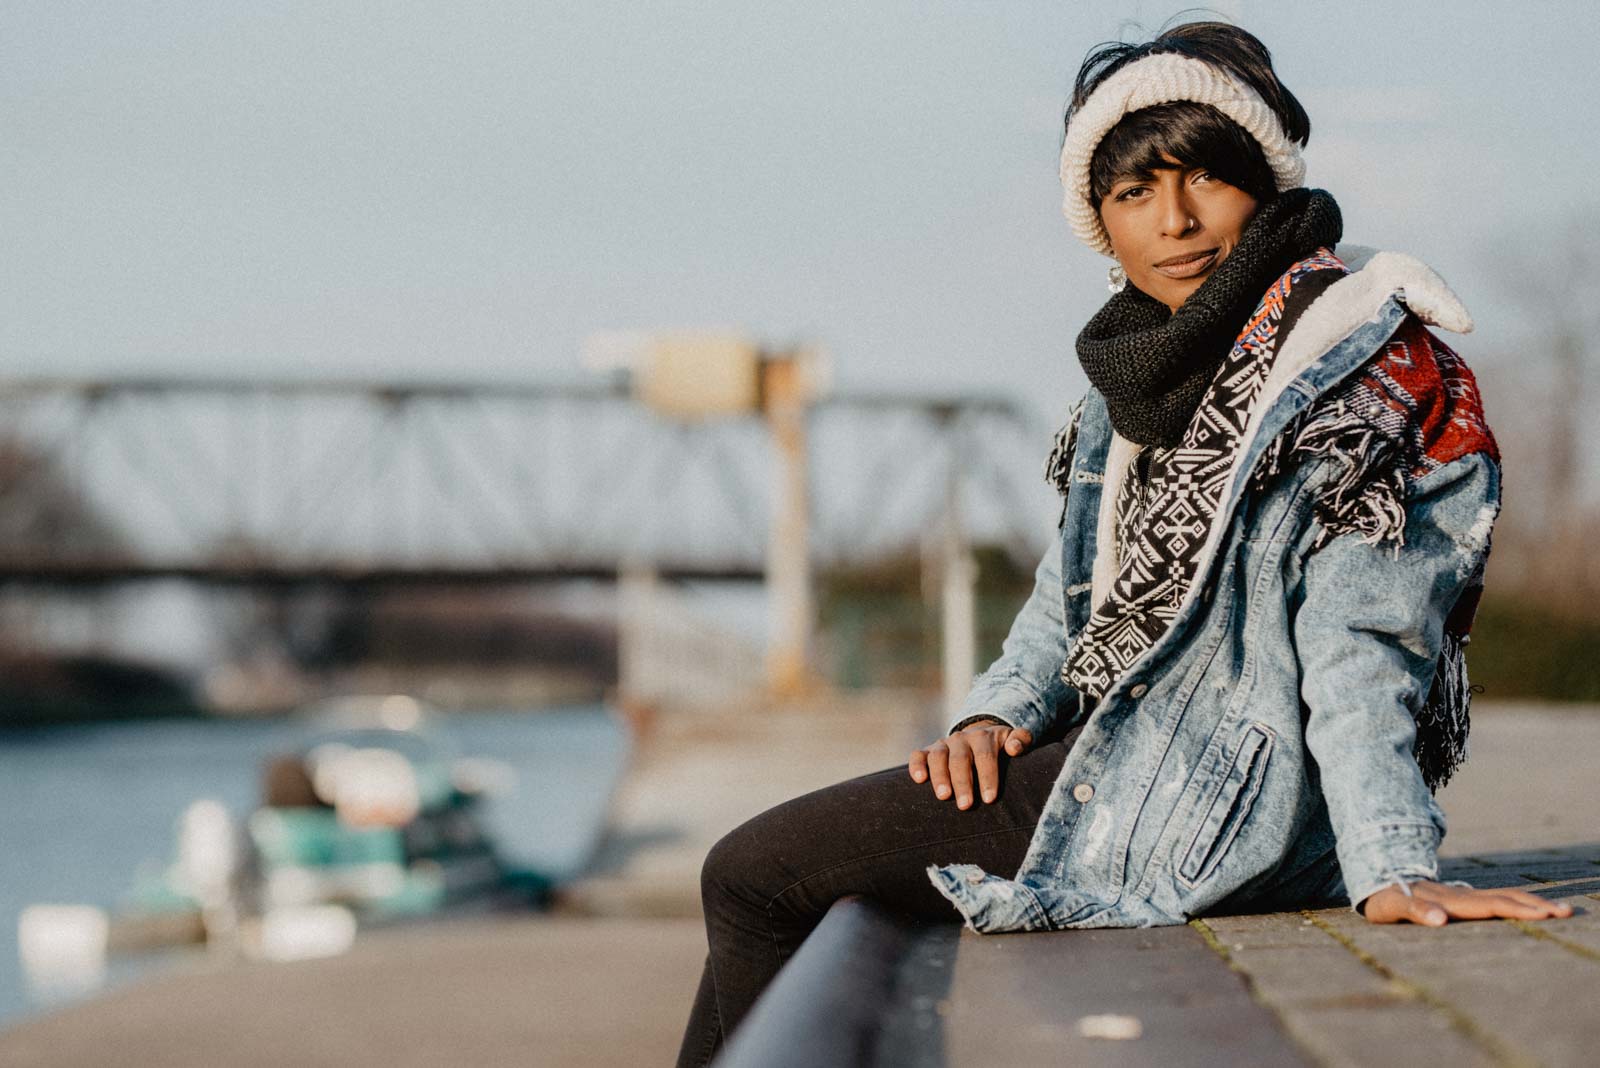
(699, 375)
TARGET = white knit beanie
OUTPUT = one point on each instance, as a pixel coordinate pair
(1153, 80)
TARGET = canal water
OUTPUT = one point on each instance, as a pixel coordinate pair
(82, 808)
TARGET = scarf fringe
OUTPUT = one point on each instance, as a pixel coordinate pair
(1058, 465)
(1445, 719)
(1368, 499)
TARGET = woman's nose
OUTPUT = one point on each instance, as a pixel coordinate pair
(1177, 214)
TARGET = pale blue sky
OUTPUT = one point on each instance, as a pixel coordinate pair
(467, 190)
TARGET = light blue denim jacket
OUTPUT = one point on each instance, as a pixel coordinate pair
(1259, 754)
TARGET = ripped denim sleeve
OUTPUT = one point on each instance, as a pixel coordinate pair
(1370, 633)
(1378, 451)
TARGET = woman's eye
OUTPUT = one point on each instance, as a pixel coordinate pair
(1131, 192)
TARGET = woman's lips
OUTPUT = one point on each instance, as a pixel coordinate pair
(1198, 264)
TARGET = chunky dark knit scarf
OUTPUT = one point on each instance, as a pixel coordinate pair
(1152, 364)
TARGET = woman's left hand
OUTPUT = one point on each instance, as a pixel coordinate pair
(1435, 904)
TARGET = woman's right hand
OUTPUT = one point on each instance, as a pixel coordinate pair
(951, 762)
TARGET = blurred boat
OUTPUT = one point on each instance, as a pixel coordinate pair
(372, 819)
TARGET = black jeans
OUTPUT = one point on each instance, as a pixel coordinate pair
(770, 881)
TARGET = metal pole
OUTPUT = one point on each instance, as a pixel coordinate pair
(637, 587)
(958, 598)
(789, 607)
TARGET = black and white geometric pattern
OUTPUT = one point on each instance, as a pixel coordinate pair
(1164, 517)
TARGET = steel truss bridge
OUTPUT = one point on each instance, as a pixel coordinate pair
(269, 484)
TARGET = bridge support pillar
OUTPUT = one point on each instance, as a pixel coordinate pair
(787, 397)
(958, 580)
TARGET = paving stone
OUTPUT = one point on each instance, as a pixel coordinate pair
(1326, 975)
(1337, 1008)
(1580, 931)
(1016, 1000)
(1589, 851)
(1449, 866)
(1579, 887)
(1522, 859)
(1486, 878)
(1526, 996)
(1553, 873)
(581, 994)
(1272, 929)
(1409, 1034)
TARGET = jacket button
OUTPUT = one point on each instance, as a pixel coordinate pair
(1083, 792)
(974, 877)
(1139, 690)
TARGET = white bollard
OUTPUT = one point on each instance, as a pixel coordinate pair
(63, 948)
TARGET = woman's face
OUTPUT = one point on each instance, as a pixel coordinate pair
(1170, 231)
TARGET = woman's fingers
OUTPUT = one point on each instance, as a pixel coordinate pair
(1433, 905)
(1550, 908)
(985, 763)
(967, 762)
(939, 769)
(1420, 910)
(960, 769)
(1466, 904)
(1393, 905)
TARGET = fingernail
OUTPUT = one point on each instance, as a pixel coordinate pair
(1012, 747)
(942, 792)
(963, 801)
(1435, 916)
(988, 795)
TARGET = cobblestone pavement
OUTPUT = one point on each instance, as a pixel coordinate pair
(1524, 812)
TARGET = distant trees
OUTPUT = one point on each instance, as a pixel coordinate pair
(1539, 403)
(39, 507)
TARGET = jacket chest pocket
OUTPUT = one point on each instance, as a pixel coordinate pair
(1227, 807)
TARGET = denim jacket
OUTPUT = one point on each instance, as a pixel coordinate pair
(1260, 753)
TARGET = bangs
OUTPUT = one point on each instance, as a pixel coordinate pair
(1197, 135)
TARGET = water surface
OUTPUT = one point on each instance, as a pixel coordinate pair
(83, 807)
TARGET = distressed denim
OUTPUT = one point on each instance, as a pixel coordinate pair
(1259, 754)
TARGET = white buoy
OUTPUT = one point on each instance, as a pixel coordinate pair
(208, 851)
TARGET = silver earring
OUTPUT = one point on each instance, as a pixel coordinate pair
(1116, 279)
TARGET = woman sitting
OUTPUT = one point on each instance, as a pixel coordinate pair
(1239, 677)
